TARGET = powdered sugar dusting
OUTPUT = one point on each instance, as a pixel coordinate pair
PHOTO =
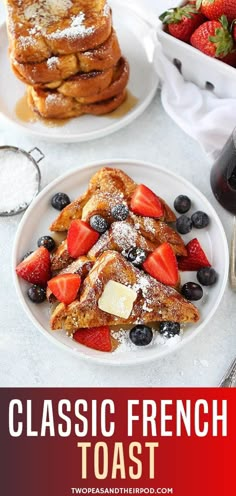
(77, 29)
(125, 344)
(52, 62)
(124, 235)
(18, 181)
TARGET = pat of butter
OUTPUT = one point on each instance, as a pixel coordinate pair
(117, 299)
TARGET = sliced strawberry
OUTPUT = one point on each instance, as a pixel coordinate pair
(80, 238)
(162, 265)
(65, 287)
(98, 338)
(196, 258)
(36, 267)
(145, 202)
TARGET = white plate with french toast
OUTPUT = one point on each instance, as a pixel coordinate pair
(57, 93)
(118, 267)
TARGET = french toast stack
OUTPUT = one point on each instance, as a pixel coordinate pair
(68, 54)
(105, 264)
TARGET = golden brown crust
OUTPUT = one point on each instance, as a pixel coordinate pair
(119, 82)
(105, 189)
(86, 84)
(54, 105)
(39, 30)
(159, 232)
(107, 180)
(155, 302)
(58, 68)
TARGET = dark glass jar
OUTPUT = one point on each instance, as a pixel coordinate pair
(223, 175)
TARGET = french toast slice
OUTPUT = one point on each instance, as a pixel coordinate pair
(40, 29)
(53, 105)
(154, 302)
(58, 68)
(85, 84)
(121, 236)
(88, 88)
(107, 180)
(125, 235)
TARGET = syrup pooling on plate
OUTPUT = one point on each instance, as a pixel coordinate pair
(25, 114)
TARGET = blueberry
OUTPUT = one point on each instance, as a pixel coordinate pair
(182, 204)
(47, 242)
(207, 276)
(141, 335)
(60, 201)
(98, 223)
(192, 291)
(136, 256)
(120, 212)
(27, 255)
(200, 220)
(169, 329)
(184, 224)
(37, 294)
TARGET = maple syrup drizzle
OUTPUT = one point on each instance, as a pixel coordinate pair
(129, 103)
(26, 114)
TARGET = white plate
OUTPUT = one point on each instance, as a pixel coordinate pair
(137, 44)
(40, 215)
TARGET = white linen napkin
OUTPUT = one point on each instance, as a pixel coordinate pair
(202, 115)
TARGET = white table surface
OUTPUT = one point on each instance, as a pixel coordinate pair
(27, 358)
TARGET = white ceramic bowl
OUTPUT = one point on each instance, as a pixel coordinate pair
(197, 67)
(40, 215)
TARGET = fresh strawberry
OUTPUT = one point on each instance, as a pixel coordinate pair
(145, 202)
(98, 338)
(214, 9)
(36, 267)
(214, 39)
(162, 265)
(182, 21)
(65, 287)
(80, 238)
(196, 258)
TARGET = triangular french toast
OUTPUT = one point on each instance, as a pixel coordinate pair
(153, 301)
(141, 232)
(105, 187)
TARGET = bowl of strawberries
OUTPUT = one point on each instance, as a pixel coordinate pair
(199, 37)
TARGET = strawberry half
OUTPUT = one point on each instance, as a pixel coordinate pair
(196, 258)
(145, 202)
(65, 287)
(98, 338)
(162, 265)
(80, 238)
(36, 267)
